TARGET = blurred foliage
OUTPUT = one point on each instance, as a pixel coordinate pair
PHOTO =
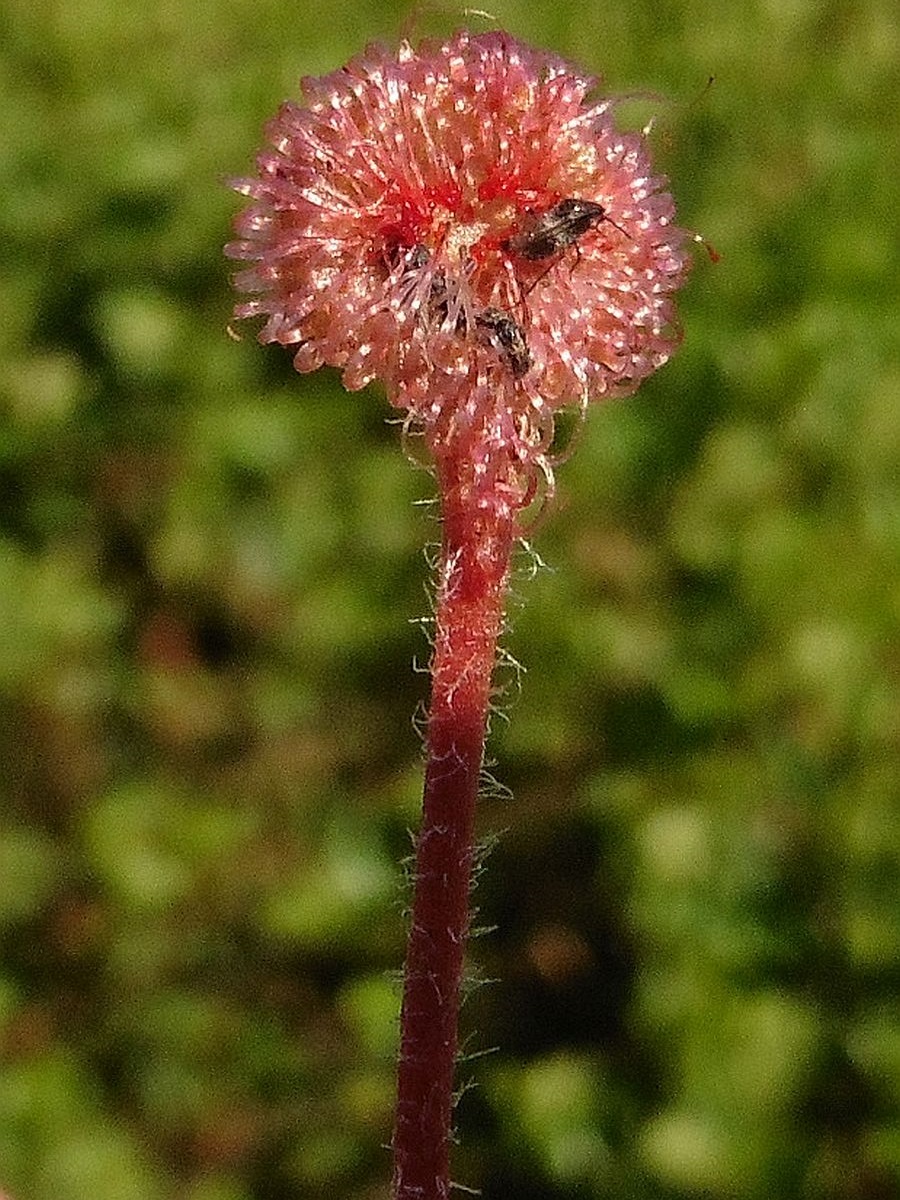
(209, 570)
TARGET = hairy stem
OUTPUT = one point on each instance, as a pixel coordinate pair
(479, 532)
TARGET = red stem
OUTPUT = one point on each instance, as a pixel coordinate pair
(479, 532)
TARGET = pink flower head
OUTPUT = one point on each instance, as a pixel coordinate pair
(460, 222)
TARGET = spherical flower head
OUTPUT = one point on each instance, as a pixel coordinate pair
(465, 223)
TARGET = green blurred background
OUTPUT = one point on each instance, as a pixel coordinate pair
(210, 572)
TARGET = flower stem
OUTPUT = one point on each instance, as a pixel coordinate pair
(479, 532)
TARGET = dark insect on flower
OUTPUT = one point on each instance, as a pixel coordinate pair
(545, 233)
(443, 303)
(509, 336)
(417, 267)
(418, 256)
(407, 258)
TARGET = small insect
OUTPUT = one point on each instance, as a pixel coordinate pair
(418, 256)
(509, 336)
(408, 258)
(544, 234)
(439, 302)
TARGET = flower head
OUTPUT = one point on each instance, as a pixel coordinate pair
(462, 222)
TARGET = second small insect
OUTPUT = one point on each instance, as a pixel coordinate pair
(508, 336)
(543, 234)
